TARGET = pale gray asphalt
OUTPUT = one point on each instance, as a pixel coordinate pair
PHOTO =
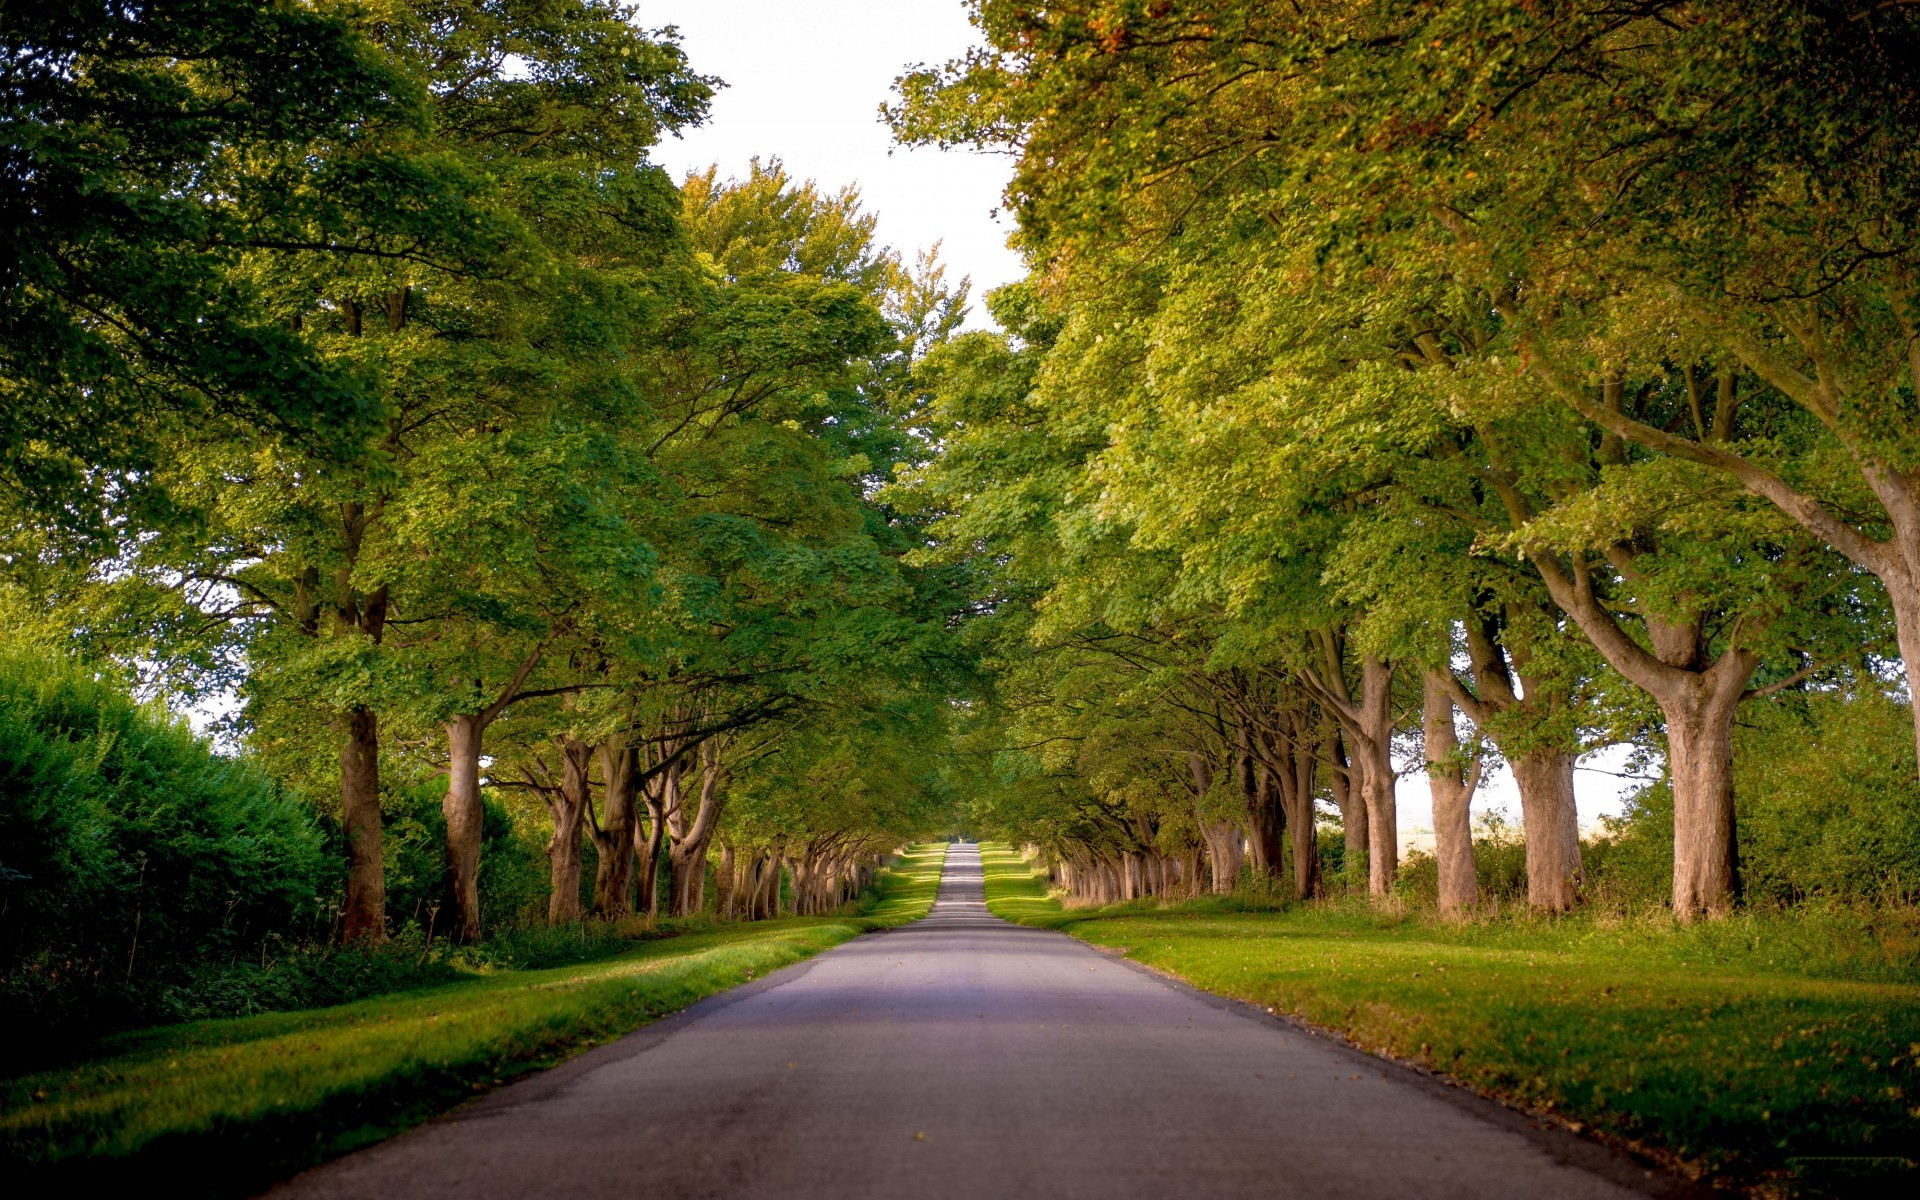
(966, 1057)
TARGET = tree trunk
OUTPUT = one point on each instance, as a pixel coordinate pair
(1452, 788)
(1222, 838)
(464, 814)
(613, 833)
(1265, 822)
(1374, 755)
(1699, 703)
(569, 806)
(1905, 595)
(647, 847)
(688, 889)
(688, 854)
(1223, 853)
(364, 918)
(1298, 780)
(1353, 813)
(750, 886)
(462, 807)
(1706, 867)
(1552, 827)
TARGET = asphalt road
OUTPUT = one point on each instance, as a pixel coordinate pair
(966, 1057)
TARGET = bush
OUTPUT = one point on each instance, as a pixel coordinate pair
(131, 855)
(1827, 808)
(1829, 800)
(1499, 867)
(513, 857)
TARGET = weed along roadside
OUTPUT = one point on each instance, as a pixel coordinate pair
(223, 1108)
(1765, 1052)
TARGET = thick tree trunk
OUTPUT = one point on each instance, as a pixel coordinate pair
(364, 915)
(1223, 853)
(464, 814)
(569, 806)
(1552, 826)
(1543, 773)
(766, 887)
(364, 918)
(1706, 867)
(1383, 826)
(613, 834)
(1374, 754)
(803, 883)
(688, 890)
(1452, 789)
(751, 869)
(463, 809)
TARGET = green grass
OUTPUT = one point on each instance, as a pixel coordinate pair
(1775, 1052)
(236, 1104)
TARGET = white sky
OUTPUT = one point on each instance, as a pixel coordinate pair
(805, 81)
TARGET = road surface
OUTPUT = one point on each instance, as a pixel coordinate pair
(965, 1057)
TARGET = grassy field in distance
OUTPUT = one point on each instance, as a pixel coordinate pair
(225, 1107)
(1773, 1052)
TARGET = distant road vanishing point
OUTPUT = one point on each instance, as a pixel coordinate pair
(963, 1056)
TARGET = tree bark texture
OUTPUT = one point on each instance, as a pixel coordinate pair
(1452, 787)
(613, 833)
(463, 809)
(464, 815)
(1369, 735)
(1552, 827)
(1297, 766)
(568, 803)
(364, 918)
(691, 837)
(1706, 866)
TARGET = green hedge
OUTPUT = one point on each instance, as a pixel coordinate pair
(131, 856)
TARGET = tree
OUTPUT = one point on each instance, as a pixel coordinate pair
(1373, 176)
(154, 149)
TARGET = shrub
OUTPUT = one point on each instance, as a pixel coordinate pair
(132, 855)
(1827, 807)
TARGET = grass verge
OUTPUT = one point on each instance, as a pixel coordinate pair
(1738, 1050)
(222, 1108)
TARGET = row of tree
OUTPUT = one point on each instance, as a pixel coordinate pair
(1386, 363)
(361, 366)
